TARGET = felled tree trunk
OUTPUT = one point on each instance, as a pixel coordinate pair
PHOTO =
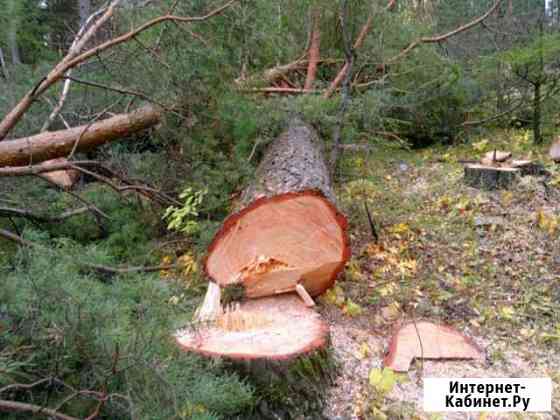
(287, 230)
(56, 144)
(286, 243)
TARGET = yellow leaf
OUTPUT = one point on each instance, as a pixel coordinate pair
(382, 381)
(352, 309)
(507, 312)
(400, 228)
(364, 351)
(335, 296)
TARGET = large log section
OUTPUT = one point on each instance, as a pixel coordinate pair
(55, 144)
(287, 237)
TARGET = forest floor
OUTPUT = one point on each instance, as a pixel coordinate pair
(484, 262)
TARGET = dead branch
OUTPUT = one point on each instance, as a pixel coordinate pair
(28, 214)
(54, 144)
(443, 37)
(6, 234)
(66, 87)
(98, 171)
(280, 90)
(75, 58)
(117, 90)
(13, 406)
(103, 269)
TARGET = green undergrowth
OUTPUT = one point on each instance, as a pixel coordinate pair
(106, 335)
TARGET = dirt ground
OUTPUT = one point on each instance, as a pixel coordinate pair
(484, 262)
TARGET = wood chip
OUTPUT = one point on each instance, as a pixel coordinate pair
(429, 341)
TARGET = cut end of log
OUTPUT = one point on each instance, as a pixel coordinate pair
(65, 178)
(271, 328)
(276, 243)
(429, 341)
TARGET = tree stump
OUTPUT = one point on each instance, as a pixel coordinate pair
(285, 244)
(490, 177)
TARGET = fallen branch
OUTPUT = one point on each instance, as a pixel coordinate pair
(6, 234)
(55, 144)
(280, 90)
(28, 214)
(103, 269)
(13, 406)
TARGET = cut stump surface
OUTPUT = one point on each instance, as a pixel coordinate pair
(270, 328)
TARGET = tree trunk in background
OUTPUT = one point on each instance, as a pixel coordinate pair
(84, 9)
(12, 31)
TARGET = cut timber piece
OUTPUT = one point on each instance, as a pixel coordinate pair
(65, 178)
(429, 341)
(489, 177)
(288, 230)
(495, 156)
(55, 144)
(554, 152)
(274, 328)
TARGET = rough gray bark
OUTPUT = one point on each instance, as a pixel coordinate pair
(293, 162)
(490, 178)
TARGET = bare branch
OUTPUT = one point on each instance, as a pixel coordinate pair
(66, 87)
(357, 44)
(443, 37)
(13, 406)
(28, 214)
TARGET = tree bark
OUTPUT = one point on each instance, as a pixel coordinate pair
(489, 177)
(286, 237)
(291, 199)
(55, 144)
